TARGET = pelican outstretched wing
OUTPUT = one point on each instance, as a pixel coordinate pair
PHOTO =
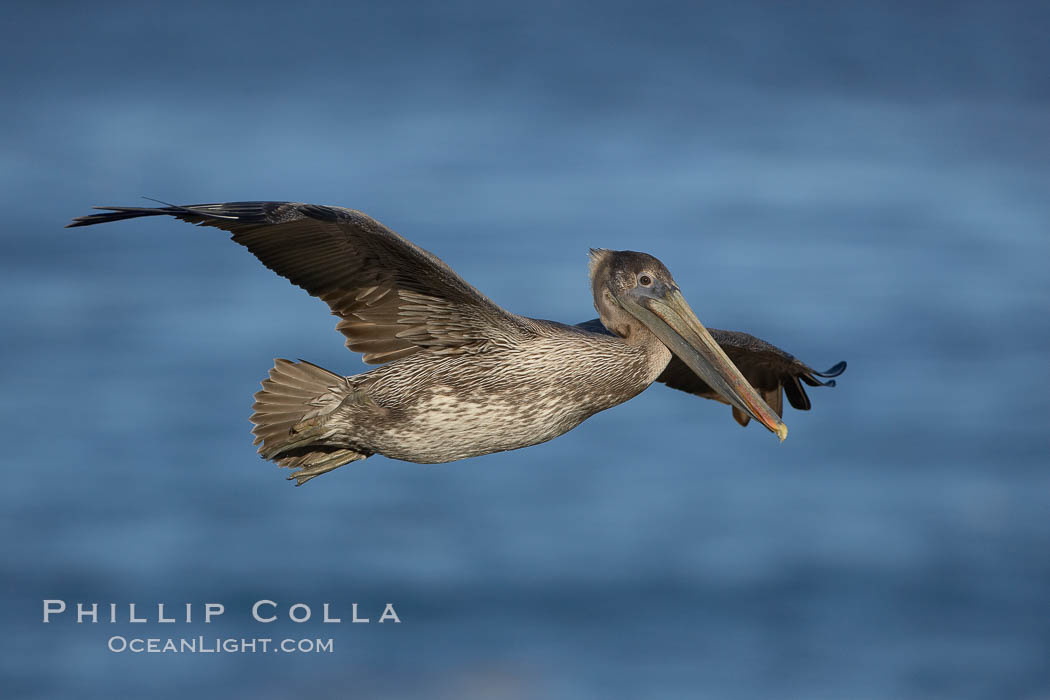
(770, 370)
(393, 297)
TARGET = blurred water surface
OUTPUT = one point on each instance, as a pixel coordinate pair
(862, 184)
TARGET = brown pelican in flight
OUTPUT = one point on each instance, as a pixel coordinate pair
(460, 376)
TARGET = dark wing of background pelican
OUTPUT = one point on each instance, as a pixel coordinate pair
(770, 370)
(393, 297)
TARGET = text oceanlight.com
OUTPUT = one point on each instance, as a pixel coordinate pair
(216, 645)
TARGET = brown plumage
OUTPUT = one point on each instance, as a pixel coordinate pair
(459, 375)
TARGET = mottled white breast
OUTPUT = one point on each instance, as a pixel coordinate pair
(448, 408)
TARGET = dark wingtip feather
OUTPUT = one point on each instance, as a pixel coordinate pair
(812, 380)
(833, 372)
(250, 212)
(111, 214)
(742, 418)
(796, 394)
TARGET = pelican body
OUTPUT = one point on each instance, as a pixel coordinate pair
(439, 409)
(460, 376)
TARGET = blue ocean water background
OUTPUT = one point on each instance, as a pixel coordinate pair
(867, 184)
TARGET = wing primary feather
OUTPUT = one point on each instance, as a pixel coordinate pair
(833, 372)
(190, 210)
(393, 298)
(796, 395)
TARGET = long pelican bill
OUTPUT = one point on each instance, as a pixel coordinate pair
(674, 323)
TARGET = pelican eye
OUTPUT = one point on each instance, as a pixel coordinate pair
(645, 280)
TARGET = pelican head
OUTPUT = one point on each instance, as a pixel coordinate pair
(636, 296)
